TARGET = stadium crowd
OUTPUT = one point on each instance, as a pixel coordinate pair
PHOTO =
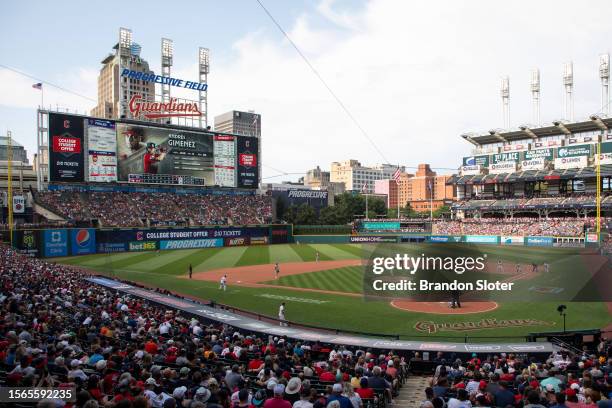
(138, 209)
(57, 329)
(560, 227)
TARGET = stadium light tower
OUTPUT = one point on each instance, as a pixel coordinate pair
(535, 93)
(604, 75)
(125, 52)
(568, 83)
(203, 71)
(505, 96)
(167, 51)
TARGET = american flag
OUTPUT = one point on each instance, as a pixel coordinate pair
(396, 175)
(38, 86)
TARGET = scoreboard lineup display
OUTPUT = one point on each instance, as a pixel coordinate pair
(84, 149)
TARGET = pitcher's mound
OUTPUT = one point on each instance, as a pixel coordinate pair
(443, 307)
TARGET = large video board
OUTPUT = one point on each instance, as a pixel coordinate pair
(100, 151)
(165, 156)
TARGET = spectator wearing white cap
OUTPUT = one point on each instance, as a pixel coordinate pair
(277, 400)
(336, 395)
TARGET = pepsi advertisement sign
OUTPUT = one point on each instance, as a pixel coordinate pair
(83, 241)
(55, 242)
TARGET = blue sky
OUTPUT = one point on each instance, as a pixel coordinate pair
(415, 74)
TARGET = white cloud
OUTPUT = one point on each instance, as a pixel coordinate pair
(415, 74)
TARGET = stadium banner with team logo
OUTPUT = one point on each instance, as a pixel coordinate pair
(55, 242)
(66, 158)
(248, 162)
(512, 240)
(82, 241)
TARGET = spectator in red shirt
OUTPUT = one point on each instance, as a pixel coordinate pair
(277, 400)
(364, 391)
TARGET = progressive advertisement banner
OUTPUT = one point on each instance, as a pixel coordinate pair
(248, 173)
(101, 151)
(191, 243)
(66, 159)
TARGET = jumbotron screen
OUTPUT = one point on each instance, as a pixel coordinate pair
(95, 150)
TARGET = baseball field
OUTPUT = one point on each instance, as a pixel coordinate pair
(328, 292)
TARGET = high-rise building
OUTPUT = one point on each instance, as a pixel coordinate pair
(239, 123)
(360, 178)
(109, 82)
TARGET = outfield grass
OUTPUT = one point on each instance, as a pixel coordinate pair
(333, 311)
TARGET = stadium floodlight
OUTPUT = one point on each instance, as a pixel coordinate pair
(535, 93)
(167, 51)
(505, 95)
(604, 75)
(568, 83)
(203, 71)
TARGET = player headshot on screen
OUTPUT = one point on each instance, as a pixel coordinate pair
(152, 157)
(133, 139)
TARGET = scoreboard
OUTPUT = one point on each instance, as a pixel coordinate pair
(86, 149)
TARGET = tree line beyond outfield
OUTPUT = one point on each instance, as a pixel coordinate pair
(346, 208)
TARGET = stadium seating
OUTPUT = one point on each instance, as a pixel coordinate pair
(116, 350)
(559, 227)
(154, 209)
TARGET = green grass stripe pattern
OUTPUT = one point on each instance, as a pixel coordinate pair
(254, 255)
(308, 253)
(347, 279)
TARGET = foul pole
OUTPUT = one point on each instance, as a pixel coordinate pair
(598, 198)
(9, 157)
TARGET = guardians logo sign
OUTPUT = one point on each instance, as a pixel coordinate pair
(430, 327)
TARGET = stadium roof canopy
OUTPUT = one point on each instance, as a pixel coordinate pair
(529, 175)
(527, 132)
